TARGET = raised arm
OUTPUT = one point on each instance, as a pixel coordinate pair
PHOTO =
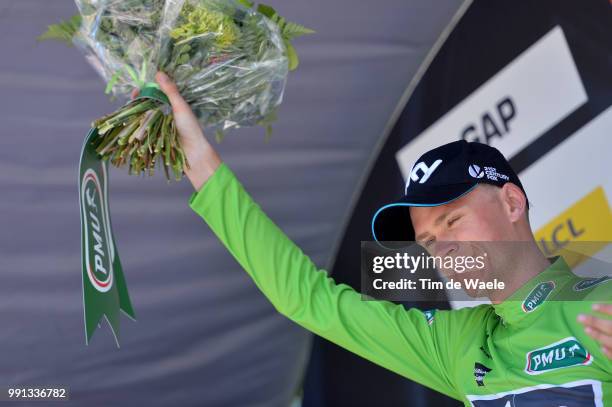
(385, 333)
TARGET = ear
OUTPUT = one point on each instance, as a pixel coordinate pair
(514, 201)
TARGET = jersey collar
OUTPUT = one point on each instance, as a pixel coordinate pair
(527, 301)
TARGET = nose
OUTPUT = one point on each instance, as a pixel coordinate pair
(446, 248)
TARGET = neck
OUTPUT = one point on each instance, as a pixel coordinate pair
(525, 265)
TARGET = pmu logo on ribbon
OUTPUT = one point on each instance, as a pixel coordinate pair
(98, 255)
(104, 290)
(565, 353)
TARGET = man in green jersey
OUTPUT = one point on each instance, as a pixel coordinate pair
(525, 349)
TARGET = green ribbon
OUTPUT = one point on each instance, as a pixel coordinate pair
(152, 91)
(148, 90)
(105, 292)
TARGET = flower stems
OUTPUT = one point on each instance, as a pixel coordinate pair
(139, 134)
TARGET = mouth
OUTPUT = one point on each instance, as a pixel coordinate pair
(468, 274)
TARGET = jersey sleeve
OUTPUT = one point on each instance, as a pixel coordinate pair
(383, 332)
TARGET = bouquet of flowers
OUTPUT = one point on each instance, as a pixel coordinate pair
(229, 59)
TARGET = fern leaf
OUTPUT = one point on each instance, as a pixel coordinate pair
(288, 29)
(63, 31)
(292, 30)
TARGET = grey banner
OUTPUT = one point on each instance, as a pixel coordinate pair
(477, 271)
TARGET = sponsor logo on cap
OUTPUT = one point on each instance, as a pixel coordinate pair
(475, 171)
(425, 171)
(493, 175)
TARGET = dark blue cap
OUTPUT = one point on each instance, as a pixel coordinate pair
(440, 176)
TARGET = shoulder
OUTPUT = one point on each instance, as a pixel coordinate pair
(580, 294)
(467, 318)
(592, 289)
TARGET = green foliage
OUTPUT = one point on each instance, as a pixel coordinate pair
(246, 3)
(203, 38)
(219, 135)
(291, 30)
(292, 56)
(288, 31)
(195, 21)
(63, 31)
(267, 122)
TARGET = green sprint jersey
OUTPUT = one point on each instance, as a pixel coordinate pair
(528, 351)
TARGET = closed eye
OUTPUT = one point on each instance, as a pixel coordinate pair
(429, 242)
(453, 220)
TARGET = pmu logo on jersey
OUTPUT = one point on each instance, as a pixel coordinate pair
(97, 238)
(565, 353)
(421, 172)
(480, 371)
(537, 296)
(590, 283)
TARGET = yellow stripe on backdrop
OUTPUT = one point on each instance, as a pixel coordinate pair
(580, 231)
